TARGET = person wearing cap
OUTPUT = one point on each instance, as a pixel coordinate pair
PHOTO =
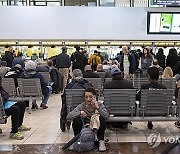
(63, 63)
(30, 72)
(118, 83)
(77, 83)
(3, 68)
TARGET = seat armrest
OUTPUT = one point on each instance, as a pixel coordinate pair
(137, 108)
(174, 108)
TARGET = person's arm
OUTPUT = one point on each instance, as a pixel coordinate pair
(68, 61)
(75, 113)
(103, 112)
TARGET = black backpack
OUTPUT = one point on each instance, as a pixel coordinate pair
(78, 59)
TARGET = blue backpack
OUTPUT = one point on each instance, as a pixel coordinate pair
(86, 141)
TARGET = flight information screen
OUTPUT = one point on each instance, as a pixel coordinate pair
(163, 23)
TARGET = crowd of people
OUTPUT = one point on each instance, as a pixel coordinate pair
(120, 70)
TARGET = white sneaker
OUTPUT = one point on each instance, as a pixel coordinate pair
(71, 148)
(102, 146)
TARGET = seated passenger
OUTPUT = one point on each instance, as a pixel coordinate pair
(14, 73)
(83, 113)
(3, 68)
(77, 83)
(18, 60)
(99, 68)
(167, 73)
(30, 72)
(153, 74)
(105, 65)
(118, 83)
(88, 72)
(16, 111)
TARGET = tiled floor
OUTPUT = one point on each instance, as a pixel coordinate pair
(45, 130)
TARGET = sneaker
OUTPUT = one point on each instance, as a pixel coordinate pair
(102, 146)
(0, 131)
(16, 136)
(71, 148)
(24, 128)
(150, 125)
(44, 106)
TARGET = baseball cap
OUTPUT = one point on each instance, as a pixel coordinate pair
(115, 70)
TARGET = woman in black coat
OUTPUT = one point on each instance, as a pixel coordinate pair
(172, 60)
(161, 58)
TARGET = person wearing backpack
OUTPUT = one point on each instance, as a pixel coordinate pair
(77, 59)
(83, 113)
(94, 60)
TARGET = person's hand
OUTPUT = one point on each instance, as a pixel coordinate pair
(94, 103)
(83, 114)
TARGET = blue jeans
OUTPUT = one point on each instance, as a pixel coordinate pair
(45, 99)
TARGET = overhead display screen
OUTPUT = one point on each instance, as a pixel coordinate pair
(163, 23)
(166, 2)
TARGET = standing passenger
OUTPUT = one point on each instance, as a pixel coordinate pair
(63, 63)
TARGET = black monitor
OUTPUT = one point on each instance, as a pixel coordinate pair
(163, 22)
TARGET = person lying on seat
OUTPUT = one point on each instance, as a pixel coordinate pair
(16, 111)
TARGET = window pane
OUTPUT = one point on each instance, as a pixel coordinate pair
(107, 3)
(80, 2)
(53, 3)
(123, 3)
(141, 3)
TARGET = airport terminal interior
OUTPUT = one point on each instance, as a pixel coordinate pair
(42, 29)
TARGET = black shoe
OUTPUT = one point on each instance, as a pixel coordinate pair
(0, 131)
(150, 125)
(34, 106)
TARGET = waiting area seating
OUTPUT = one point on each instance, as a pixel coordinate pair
(28, 90)
(155, 105)
(97, 84)
(46, 77)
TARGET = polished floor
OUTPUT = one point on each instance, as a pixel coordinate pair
(45, 135)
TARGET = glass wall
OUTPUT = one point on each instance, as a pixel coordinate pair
(101, 3)
(80, 2)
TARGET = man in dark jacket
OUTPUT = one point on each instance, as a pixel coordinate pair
(77, 83)
(63, 63)
(128, 62)
(30, 72)
(88, 72)
(77, 59)
(8, 57)
(118, 83)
